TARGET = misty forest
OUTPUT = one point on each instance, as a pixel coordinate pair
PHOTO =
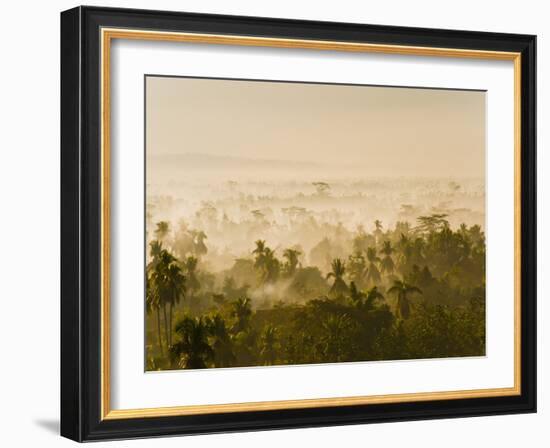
(257, 272)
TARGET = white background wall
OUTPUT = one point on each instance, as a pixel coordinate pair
(29, 223)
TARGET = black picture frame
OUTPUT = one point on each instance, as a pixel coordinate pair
(81, 228)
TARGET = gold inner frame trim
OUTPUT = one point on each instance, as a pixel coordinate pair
(107, 35)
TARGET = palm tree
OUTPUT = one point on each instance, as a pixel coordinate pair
(162, 230)
(169, 282)
(372, 296)
(364, 300)
(259, 255)
(175, 281)
(463, 230)
(260, 248)
(387, 264)
(292, 261)
(241, 311)
(192, 351)
(357, 268)
(156, 249)
(272, 266)
(339, 287)
(190, 269)
(402, 291)
(403, 244)
(152, 303)
(268, 340)
(267, 265)
(373, 274)
(356, 295)
(377, 230)
(407, 253)
(158, 282)
(222, 344)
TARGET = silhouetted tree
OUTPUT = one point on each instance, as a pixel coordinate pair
(373, 274)
(221, 341)
(241, 311)
(386, 264)
(402, 290)
(291, 256)
(339, 287)
(192, 350)
(268, 350)
(162, 230)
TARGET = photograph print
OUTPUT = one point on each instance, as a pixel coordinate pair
(291, 223)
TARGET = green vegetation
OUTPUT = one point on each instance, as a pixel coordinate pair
(406, 292)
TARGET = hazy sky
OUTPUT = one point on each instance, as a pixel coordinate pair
(382, 131)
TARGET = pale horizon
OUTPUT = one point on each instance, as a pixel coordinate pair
(370, 131)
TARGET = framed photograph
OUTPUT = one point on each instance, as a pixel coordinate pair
(273, 223)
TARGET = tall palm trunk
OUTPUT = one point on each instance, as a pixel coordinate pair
(159, 333)
(170, 318)
(166, 325)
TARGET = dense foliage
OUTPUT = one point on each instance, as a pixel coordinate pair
(402, 293)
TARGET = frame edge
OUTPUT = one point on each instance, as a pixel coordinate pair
(71, 380)
(529, 222)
